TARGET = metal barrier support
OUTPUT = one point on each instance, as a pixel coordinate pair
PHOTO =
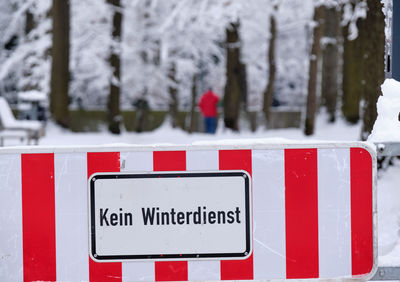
(387, 149)
(387, 273)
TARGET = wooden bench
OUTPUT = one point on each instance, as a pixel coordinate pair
(33, 129)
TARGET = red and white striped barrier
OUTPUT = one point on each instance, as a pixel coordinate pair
(313, 212)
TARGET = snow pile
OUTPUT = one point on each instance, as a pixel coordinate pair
(389, 216)
(387, 125)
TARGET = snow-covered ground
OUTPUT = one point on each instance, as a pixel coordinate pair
(339, 131)
(388, 179)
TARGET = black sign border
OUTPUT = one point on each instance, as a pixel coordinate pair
(92, 231)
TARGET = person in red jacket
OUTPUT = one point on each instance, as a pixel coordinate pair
(208, 105)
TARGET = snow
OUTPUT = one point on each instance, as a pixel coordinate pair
(339, 131)
(389, 216)
(7, 116)
(351, 15)
(387, 125)
(32, 96)
(155, 34)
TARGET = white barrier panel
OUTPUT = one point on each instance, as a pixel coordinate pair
(311, 211)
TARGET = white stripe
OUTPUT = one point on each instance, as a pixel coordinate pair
(137, 162)
(11, 260)
(269, 214)
(334, 225)
(203, 160)
(72, 241)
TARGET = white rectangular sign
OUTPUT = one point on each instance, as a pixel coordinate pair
(170, 215)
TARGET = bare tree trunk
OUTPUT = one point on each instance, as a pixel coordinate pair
(193, 104)
(114, 114)
(243, 84)
(232, 91)
(330, 61)
(269, 90)
(374, 65)
(59, 98)
(30, 24)
(173, 93)
(142, 109)
(141, 104)
(313, 71)
(352, 84)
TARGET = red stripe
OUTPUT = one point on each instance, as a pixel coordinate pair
(171, 271)
(301, 208)
(236, 269)
(170, 161)
(103, 162)
(38, 217)
(361, 211)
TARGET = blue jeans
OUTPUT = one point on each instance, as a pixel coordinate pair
(211, 124)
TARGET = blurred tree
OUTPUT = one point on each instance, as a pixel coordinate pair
(330, 60)
(91, 24)
(234, 77)
(352, 71)
(29, 22)
(142, 108)
(26, 69)
(192, 124)
(269, 90)
(173, 95)
(313, 70)
(114, 115)
(59, 84)
(243, 85)
(374, 66)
